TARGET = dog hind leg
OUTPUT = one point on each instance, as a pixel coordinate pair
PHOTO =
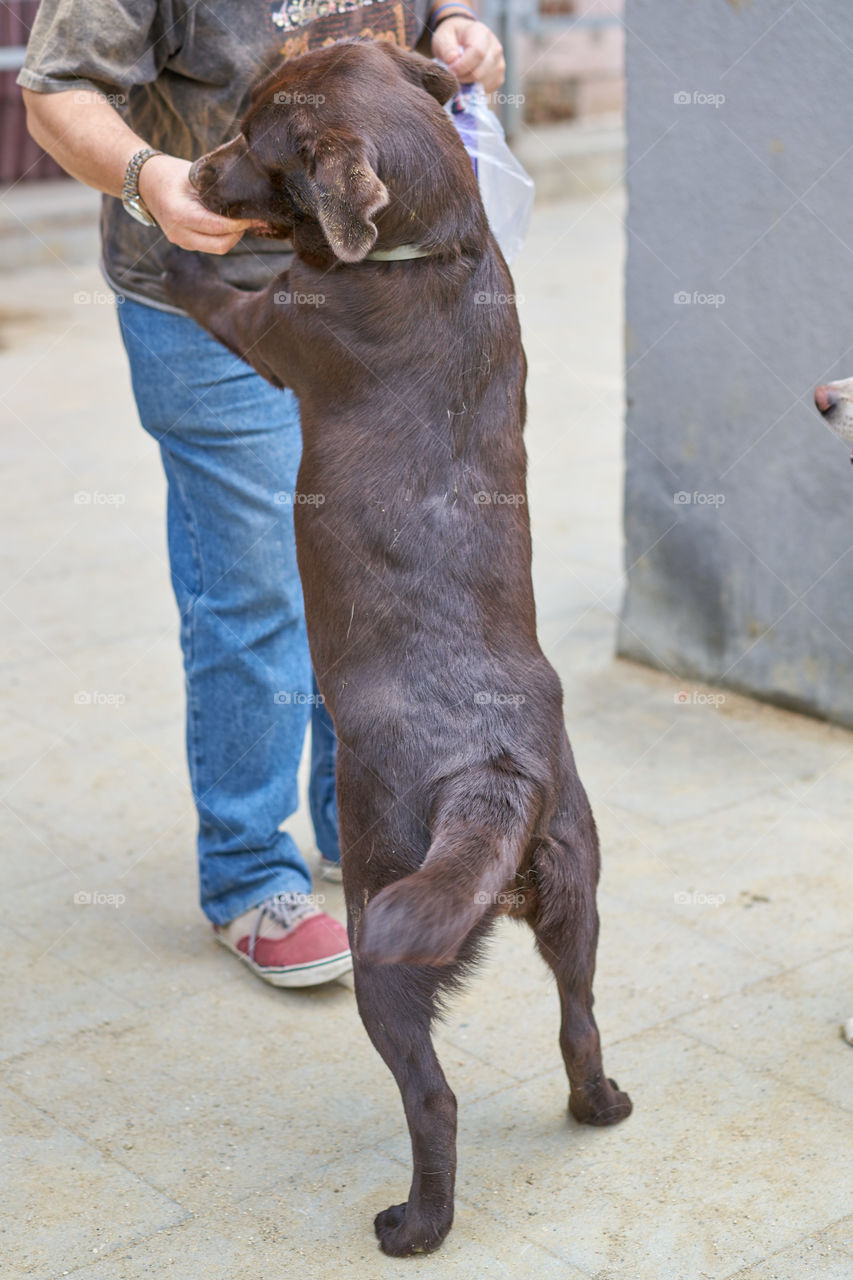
(566, 929)
(397, 1004)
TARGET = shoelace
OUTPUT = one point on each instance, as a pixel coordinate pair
(285, 908)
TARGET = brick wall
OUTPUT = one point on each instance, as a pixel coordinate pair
(573, 71)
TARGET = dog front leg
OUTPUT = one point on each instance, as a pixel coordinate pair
(247, 323)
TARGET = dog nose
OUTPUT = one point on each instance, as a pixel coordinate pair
(825, 398)
(195, 173)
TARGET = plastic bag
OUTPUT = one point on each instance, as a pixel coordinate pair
(506, 187)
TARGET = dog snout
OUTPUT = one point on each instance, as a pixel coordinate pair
(825, 397)
(204, 175)
(195, 173)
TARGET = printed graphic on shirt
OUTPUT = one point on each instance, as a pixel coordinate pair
(310, 24)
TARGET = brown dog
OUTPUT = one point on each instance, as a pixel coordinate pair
(457, 791)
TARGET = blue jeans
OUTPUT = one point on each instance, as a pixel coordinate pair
(230, 446)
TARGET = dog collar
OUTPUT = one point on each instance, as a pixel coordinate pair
(399, 254)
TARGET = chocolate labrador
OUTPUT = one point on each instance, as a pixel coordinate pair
(458, 795)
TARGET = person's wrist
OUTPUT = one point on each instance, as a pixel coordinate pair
(151, 177)
(452, 9)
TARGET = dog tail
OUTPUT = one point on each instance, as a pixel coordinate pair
(479, 837)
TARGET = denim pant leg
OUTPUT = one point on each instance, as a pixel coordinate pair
(230, 446)
(321, 790)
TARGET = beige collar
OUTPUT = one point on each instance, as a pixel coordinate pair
(400, 253)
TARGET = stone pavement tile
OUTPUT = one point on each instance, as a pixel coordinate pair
(62, 1201)
(317, 1224)
(590, 233)
(43, 997)
(580, 646)
(840, 1235)
(635, 759)
(30, 857)
(782, 749)
(768, 874)
(563, 586)
(813, 1257)
(97, 480)
(717, 1167)
(104, 690)
(831, 792)
(23, 746)
(135, 928)
(332, 1217)
(508, 1013)
(206, 1096)
(650, 968)
(66, 608)
(33, 852)
(789, 1025)
(640, 749)
(115, 797)
(82, 477)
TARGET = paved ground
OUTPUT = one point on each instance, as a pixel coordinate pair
(167, 1115)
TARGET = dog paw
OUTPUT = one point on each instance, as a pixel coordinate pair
(600, 1105)
(401, 1234)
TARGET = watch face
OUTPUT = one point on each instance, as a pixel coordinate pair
(137, 210)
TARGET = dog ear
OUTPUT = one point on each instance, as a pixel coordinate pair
(346, 193)
(440, 83)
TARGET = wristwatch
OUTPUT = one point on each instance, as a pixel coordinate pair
(130, 197)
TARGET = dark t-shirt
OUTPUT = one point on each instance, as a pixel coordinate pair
(180, 72)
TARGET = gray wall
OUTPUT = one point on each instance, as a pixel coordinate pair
(746, 206)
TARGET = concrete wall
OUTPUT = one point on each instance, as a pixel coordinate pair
(739, 502)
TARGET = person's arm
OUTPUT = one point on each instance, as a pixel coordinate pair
(469, 48)
(86, 135)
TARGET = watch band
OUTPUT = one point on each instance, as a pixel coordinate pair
(459, 11)
(130, 197)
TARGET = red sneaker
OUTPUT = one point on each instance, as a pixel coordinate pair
(288, 941)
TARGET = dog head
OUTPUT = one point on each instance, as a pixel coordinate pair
(326, 140)
(835, 402)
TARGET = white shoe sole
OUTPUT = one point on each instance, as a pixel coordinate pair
(295, 975)
(331, 871)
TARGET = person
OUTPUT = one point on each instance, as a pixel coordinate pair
(125, 94)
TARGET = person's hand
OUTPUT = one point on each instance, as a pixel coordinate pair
(471, 51)
(164, 186)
